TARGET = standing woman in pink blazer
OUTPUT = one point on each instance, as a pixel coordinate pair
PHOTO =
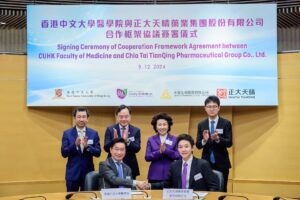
(161, 148)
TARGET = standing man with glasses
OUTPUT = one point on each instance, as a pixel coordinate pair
(215, 136)
(131, 135)
(79, 144)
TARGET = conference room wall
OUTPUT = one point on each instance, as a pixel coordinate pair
(264, 138)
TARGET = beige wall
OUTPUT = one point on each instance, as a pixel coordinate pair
(265, 156)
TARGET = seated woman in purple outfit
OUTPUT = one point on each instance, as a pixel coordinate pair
(161, 148)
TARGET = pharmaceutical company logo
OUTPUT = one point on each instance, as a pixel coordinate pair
(222, 93)
(121, 93)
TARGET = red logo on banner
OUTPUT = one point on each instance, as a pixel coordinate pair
(58, 92)
(222, 93)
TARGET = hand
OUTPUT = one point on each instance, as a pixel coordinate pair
(205, 135)
(85, 140)
(141, 185)
(125, 135)
(115, 133)
(78, 141)
(147, 186)
(215, 137)
(162, 148)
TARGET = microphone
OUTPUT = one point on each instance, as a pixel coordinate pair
(279, 198)
(230, 195)
(195, 193)
(68, 196)
(32, 197)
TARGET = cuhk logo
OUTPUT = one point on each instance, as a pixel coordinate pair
(121, 93)
(58, 92)
(222, 93)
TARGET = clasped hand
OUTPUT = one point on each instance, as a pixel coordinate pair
(143, 185)
(214, 136)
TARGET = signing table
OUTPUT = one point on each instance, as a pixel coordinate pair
(155, 195)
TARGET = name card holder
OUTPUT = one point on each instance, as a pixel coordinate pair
(176, 194)
(116, 193)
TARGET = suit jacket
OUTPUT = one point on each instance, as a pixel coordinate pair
(134, 146)
(109, 175)
(160, 162)
(201, 176)
(219, 149)
(79, 163)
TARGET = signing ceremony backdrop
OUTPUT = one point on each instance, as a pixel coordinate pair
(265, 153)
(152, 55)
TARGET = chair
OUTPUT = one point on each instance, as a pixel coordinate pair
(221, 179)
(91, 182)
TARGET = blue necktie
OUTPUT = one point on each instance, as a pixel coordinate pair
(212, 130)
(183, 176)
(120, 171)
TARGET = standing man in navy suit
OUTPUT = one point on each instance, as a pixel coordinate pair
(215, 136)
(132, 136)
(79, 144)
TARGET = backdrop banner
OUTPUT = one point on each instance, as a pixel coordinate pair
(151, 55)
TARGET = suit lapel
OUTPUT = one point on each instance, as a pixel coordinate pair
(207, 125)
(219, 124)
(88, 133)
(178, 174)
(113, 165)
(74, 133)
(192, 172)
(124, 170)
(157, 139)
(74, 136)
(130, 130)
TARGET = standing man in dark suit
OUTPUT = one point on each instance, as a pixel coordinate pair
(129, 133)
(79, 144)
(114, 173)
(215, 136)
(188, 172)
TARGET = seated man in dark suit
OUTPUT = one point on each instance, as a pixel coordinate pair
(114, 173)
(189, 172)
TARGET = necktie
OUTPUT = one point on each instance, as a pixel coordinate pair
(120, 171)
(122, 131)
(81, 132)
(183, 176)
(212, 130)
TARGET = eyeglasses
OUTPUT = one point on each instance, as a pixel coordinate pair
(212, 107)
(81, 116)
(119, 149)
(123, 116)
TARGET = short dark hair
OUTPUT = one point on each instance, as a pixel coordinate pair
(213, 99)
(159, 116)
(187, 137)
(121, 107)
(117, 140)
(81, 109)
